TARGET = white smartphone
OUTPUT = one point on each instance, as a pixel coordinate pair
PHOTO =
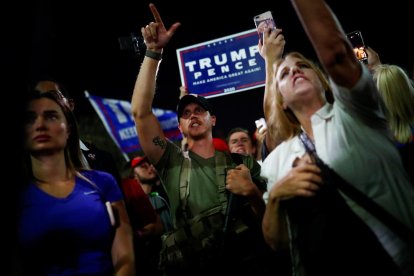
(262, 21)
(261, 125)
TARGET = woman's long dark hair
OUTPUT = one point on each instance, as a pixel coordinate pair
(73, 154)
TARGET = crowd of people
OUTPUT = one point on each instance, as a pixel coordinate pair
(293, 198)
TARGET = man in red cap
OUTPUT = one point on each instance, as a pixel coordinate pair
(146, 175)
(146, 224)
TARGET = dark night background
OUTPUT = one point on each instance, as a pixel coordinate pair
(76, 42)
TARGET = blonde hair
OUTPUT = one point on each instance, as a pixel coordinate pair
(397, 93)
(282, 123)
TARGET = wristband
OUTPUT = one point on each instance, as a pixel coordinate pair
(153, 55)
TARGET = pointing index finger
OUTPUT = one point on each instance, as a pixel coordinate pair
(156, 14)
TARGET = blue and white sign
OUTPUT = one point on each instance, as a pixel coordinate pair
(222, 66)
(117, 118)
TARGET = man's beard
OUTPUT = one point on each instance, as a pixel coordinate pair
(150, 181)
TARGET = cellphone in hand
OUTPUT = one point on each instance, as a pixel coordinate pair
(262, 21)
(357, 42)
(261, 125)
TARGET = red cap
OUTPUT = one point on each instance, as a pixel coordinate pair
(220, 144)
(138, 160)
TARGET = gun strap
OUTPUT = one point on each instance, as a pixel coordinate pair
(376, 210)
(220, 166)
(185, 182)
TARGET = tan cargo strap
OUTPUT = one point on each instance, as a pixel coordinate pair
(184, 183)
(221, 165)
(220, 162)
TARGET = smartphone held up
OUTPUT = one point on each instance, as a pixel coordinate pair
(262, 21)
(261, 125)
(357, 42)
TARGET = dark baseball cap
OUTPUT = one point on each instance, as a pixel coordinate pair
(193, 98)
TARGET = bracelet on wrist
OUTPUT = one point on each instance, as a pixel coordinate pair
(153, 55)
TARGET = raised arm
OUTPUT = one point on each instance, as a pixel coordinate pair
(329, 41)
(373, 59)
(271, 50)
(150, 133)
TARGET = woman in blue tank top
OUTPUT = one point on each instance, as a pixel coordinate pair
(72, 220)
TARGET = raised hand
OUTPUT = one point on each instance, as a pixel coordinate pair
(155, 35)
(373, 58)
(273, 45)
